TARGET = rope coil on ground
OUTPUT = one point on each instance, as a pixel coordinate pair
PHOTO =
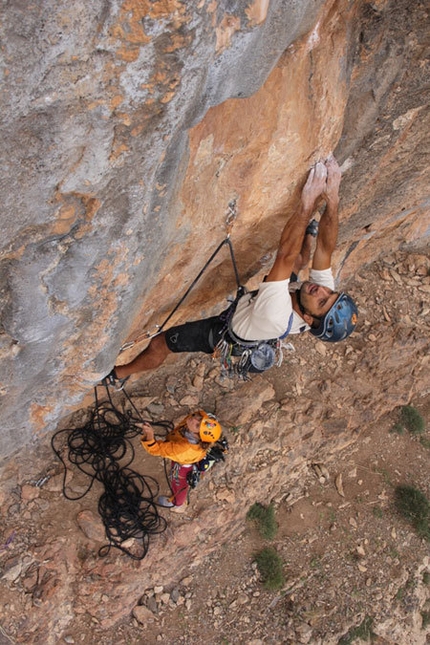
(127, 506)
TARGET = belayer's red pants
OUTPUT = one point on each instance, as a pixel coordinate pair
(178, 482)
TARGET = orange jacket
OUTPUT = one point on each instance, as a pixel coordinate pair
(176, 447)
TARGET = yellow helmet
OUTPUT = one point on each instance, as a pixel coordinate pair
(210, 427)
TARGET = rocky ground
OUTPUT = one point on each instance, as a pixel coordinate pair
(315, 437)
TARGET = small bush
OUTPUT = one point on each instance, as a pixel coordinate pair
(397, 428)
(362, 631)
(412, 420)
(425, 615)
(264, 517)
(270, 567)
(413, 505)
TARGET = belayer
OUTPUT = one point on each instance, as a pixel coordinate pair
(193, 446)
(252, 326)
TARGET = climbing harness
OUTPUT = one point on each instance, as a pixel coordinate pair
(127, 506)
(252, 356)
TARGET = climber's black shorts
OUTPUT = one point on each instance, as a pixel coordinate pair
(197, 336)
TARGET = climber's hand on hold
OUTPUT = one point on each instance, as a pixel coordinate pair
(315, 185)
(294, 230)
(331, 191)
(329, 221)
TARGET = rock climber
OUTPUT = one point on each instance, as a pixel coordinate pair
(189, 446)
(278, 308)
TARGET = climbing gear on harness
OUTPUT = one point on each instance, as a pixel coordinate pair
(257, 359)
(262, 357)
(213, 456)
(210, 428)
(193, 477)
(253, 356)
(112, 380)
(312, 228)
(147, 335)
(339, 322)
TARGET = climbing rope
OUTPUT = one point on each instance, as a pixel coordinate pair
(231, 216)
(127, 506)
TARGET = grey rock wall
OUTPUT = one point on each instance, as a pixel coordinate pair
(97, 99)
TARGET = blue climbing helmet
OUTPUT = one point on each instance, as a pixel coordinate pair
(339, 322)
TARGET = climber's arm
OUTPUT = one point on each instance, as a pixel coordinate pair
(329, 222)
(294, 230)
(154, 446)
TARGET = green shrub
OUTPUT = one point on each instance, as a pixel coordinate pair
(270, 567)
(425, 615)
(362, 631)
(264, 517)
(413, 505)
(412, 420)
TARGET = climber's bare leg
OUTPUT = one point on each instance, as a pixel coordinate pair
(151, 357)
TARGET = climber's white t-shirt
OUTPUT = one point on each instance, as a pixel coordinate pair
(266, 314)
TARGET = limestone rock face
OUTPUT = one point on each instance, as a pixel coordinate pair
(130, 131)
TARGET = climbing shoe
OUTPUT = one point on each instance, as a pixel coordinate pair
(165, 501)
(312, 228)
(111, 380)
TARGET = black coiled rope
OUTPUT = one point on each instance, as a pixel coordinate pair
(127, 506)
